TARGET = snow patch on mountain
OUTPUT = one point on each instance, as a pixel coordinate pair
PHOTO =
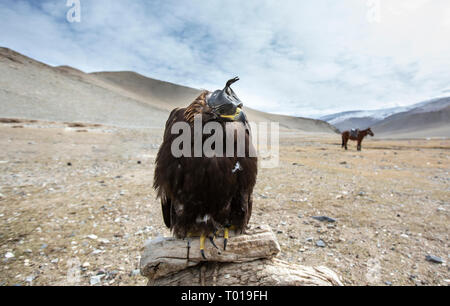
(379, 114)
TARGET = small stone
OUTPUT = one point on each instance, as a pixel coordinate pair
(113, 273)
(309, 239)
(44, 246)
(9, 255)
(92, 236)
(148, 229)
(135, 272)
(226, 276)
(388, 283)
(96, 279)
(30, 278)
(86, 265)
(320, 243)
(325, 219)
(434, 259)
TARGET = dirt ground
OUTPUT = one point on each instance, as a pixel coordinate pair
(77, 205)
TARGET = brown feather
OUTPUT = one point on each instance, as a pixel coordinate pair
(203, 189)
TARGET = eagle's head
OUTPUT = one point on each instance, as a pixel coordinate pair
(220, 105)
(225, 104)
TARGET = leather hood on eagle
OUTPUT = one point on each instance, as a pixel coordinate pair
(225, 101)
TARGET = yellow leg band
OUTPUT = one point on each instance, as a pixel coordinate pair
(202, 242)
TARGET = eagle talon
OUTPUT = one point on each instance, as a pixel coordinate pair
(188, 249)
(203, 254)
(212, 242)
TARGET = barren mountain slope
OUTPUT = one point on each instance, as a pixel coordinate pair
(430, 120)
(33, 90)
(425, 119)
(168, 96)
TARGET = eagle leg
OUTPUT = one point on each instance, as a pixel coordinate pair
(202, 245)
(226, 234)
(225, 238)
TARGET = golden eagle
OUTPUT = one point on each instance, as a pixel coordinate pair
(208, 193)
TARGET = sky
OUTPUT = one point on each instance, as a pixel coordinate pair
(303, 58)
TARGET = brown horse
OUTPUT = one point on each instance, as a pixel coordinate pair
(359, 137)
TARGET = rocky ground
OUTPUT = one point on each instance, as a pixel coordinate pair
(77, 205)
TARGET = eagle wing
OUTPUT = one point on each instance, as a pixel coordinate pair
(161, 182)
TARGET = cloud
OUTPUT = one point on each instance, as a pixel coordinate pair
(306, 58)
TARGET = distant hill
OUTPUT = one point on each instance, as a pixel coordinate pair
(431, 119)
(425, 119)
(363, 119)
(355, 122)
(33, 90)
(162, 94)
(168, 96)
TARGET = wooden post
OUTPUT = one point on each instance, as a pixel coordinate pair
(249, 260)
